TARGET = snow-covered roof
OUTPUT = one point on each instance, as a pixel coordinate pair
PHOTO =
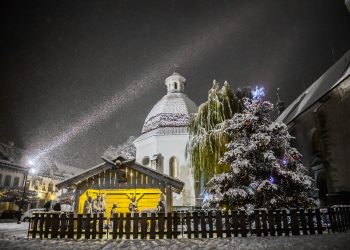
(173, 110)
(176, 184)
(67, 171)
(163, 131)
(322, 86)
(9, 164)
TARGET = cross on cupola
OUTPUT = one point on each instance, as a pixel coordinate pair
(175, 83)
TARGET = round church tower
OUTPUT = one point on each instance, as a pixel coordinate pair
(164, 137)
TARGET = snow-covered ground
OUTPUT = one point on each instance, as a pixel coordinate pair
(12, 236)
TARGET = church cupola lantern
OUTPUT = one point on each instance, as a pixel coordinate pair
(175, 83)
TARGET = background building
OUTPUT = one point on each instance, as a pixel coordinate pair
(42, 178)
(320, 121)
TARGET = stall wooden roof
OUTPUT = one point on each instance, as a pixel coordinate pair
(176, 184)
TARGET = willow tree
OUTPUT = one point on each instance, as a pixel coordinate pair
(207, 130)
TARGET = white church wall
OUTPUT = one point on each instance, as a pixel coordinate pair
(170, 146)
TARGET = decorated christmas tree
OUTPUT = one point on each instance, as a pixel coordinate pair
(265, 171)
(207, 131)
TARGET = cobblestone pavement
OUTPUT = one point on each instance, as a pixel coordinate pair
(12, 237)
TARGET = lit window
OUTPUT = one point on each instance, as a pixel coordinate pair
(7, 182)
(145, 161)
(16, 182)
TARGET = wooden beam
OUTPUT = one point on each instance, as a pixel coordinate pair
(169, 202)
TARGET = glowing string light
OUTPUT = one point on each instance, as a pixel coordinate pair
(258, 93)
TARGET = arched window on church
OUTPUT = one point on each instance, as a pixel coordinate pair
(316, 143)
(174, 167)
(145, 161)
(175, 85)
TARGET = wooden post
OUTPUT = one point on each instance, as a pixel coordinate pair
(63, 226)
(115, 226)
(169, 222)
(303, 221)
(294, 221)
(35, 226)
(55, 225)
(310, 221)
(77, 195)
(47, 225)
(161, 225)
(71, 226)
(346, 217)
(279, 222)
(121, 225)
(227, 223)
(285, 222)
(218, 224)
(242, 223)
(210, 222)
(175, 224)
(168, 199)
(340, 222)
(87, 226)
(136, 226)
(188, 224)
(127, 225)
(79, 225)
(100, 226)
(331, 219)
(340, 219)
(343, 218)
(235, 223)
(271, 221)
(318, 221)
(42, 220)
(94, 222)
(195, 225)
(203, 225)
(144, 226)
(152, 231)
(257, 222)
(264, 222)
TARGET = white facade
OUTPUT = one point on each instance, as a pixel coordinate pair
(162, 144)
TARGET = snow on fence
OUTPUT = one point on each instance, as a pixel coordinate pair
(198, 224)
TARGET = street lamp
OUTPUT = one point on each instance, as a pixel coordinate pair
(31, 170)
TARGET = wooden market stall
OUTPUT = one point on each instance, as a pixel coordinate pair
(117, 181)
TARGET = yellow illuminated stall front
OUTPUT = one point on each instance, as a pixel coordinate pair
(117, 181)
(147, 199)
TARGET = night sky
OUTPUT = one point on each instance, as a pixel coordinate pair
(79, 76)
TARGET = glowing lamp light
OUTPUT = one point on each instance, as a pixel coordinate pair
(32, 170)
(272, 180)
(258, 93)
(30, 162)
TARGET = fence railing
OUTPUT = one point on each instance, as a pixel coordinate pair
(198, 224)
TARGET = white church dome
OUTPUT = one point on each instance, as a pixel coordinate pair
(174, 109)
